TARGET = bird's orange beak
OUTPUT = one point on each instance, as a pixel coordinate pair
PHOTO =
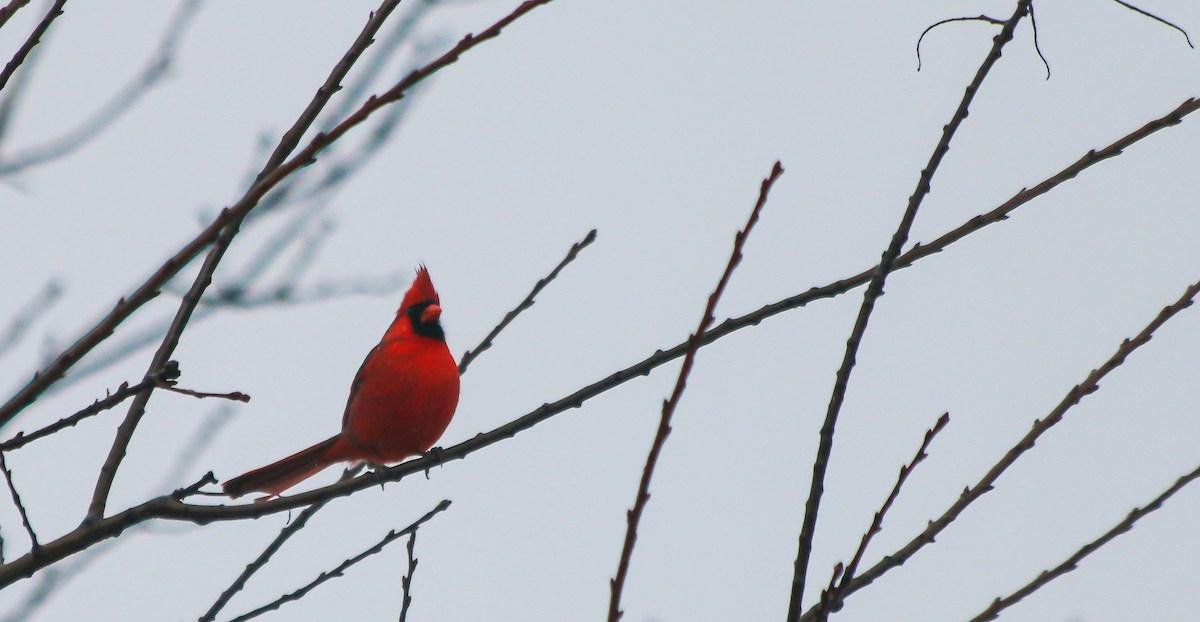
(431, 313)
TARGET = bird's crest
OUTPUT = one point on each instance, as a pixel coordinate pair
(421, 290)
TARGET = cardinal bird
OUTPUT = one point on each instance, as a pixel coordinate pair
(400, 402)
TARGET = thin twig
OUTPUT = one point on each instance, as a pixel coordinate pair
(236, 396)
(318, 292)
(342, 567)
(1072, 562)
(406, 580)
(233, 215)
(265, 556)
(874, 291)
(34, 547)
(572, 252)
(831, 599)
(54, 579)
(274, 164)
(970, 494)
(24, 318)
(31, 42)
(633, 517)
(1157, 19)
(11, 9)
(114, 108)
(122, 393)
(977, 18)
(169, 508)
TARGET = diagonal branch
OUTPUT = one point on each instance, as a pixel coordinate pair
(634, 516)
(1072, 562)
(970, 494)
(34, 547)
(34, 38)
(341, 568)
(470, 355)
(874, 291)
(831, 598)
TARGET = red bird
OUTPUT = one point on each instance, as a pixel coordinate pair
(400, 402)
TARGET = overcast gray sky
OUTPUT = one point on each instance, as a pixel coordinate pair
(654, 123)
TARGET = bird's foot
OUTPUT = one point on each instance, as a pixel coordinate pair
(434, 455)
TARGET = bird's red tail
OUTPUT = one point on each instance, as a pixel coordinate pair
(279, 476)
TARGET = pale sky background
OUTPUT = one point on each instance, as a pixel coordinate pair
(653, 122)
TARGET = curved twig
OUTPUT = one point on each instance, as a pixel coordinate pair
(977, 18)
(236, 213)
(1157, 19)
(35, 37)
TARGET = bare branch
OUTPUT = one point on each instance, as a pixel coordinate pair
(318, 292)
(970, 494)
(831, 599)
(12, 489)
(121, 102)
(874, 291)
(342, 567)
(633, 517)
(31, 42)
(977, 18)
(41, 303)
(1157, 19)
(572, 252)
(1072, 562)
(406, 580)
